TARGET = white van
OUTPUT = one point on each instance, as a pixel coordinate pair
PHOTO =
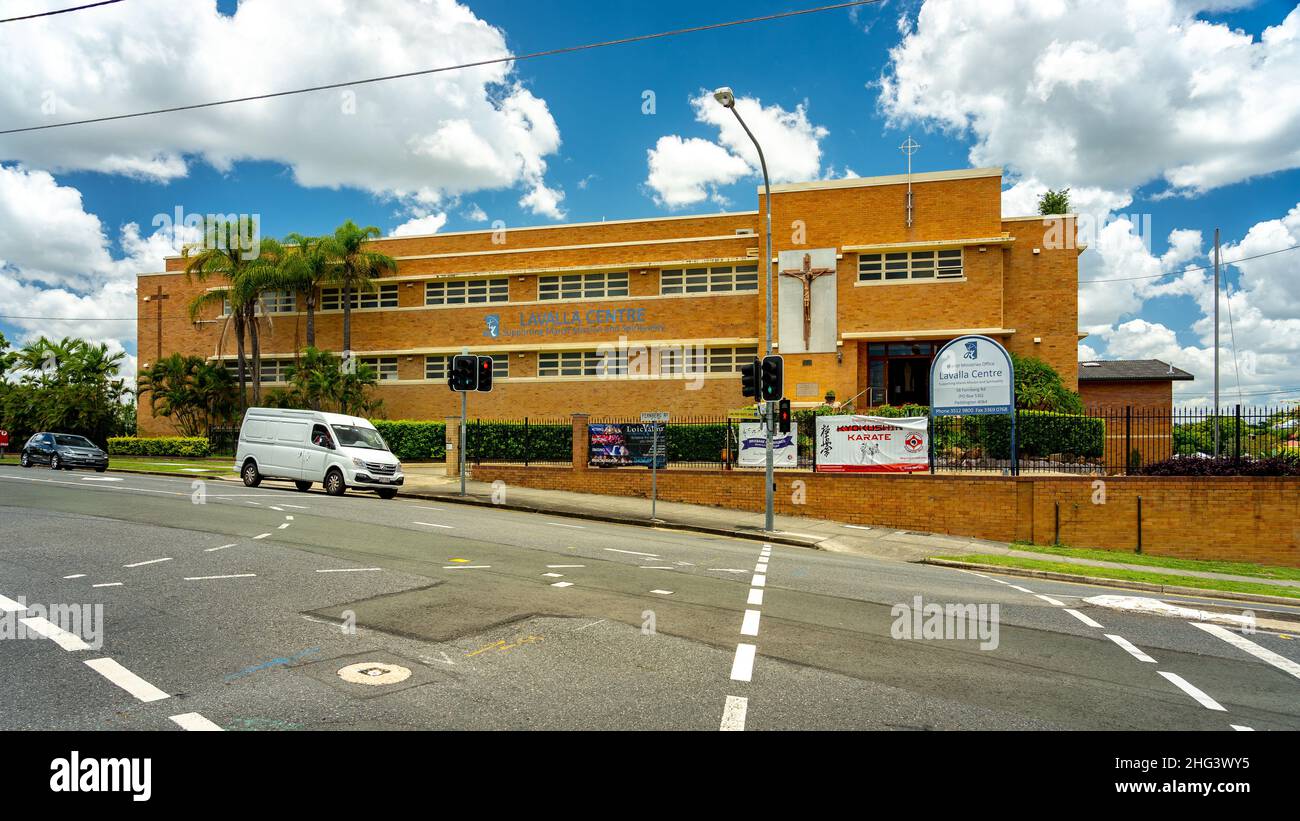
(310, 446)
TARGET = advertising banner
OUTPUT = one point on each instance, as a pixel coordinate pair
(753, 446)
(872, 444)
(619, 445)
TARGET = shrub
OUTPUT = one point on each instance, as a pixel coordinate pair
(413, 441)
(159, 446)
(517, 442)
(1287, 465)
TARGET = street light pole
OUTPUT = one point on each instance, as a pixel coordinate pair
(727, 98)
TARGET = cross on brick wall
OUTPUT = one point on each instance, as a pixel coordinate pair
(157, 298)
(806, 275)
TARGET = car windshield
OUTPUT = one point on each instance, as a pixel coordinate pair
(72, 441)
(350, 436)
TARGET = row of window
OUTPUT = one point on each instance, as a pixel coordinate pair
(887, 267)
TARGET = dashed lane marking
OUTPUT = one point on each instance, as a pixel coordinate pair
(194, 723)
(755, 596)
(1130, 648)
(1282, 663)
(655, 566)
(8, 605)
(127, 680)
(283, 526)
(662, 592)
(553, 575)
(562, 524)
(1182, 684)
(1242, 728)
(223, 547)
(742, 666)
(42, 626)
(229, 576)
(261, 536)
(277, 509)
(1022, 589)
(733, 713)
(1050, 600)
(76, 576)
(749, 625)
(562, 584)
(562, 566)
(466, 566)
(108, 584)
(1081, 617)
(632, 552)
(350, 570)
(151, 561)
(759, 580)
(433, 524)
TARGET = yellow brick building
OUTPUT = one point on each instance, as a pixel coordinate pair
(614, 318)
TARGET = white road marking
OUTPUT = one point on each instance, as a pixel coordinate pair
(127, 680)
(1182, 684)
(562, 584)
(553, 575)
(296, 507)
(223, 547)
(151, 561)
(749, 625)
(432, 524)
(655, 566)
(109, 584)
(44, 627)
(742, 667)
(1082, 618)
(283, 526)
(761, 567)
(288, 518)
(662, 592)
(420, 507)
(857, 527)
(759, 580)
(277, 509)
(350, 570)
(632, 552)
(8, 605)
(1022, 589)
(727, 570)
(230, 576)
(1130, 648)
(466, 566)
(262, 536)
(1242, 728)
(98, 479)
(194, 723)
(76, 576)
(1050, 600)
(562, 524)
(562, 566)
(733, 713)
(1282, 663)
(755, 596)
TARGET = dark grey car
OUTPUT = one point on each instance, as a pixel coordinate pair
(63, 451)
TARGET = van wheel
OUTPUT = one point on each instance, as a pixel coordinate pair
(250, 475)
(303, 486)
(334, 484)
(386, 493)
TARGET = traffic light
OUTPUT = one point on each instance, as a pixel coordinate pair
(464, 373)
(484, 373)
(783, 416)
(749, 379)
(772, 379)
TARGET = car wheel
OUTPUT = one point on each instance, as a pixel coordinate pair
(56, 463)
(334, 484)
(386, 493)
(303, 486)
(25, 460)
(250, 475)
(101, 470)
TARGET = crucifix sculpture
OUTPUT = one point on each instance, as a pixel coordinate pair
(806, 275)
(157, 298)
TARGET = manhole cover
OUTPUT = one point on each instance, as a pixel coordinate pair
(374, 673)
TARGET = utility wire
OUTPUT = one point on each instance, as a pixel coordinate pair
(509, 58)
(58, 11)
(1184, 270)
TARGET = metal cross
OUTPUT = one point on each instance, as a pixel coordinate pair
(909, 147)
(806, 275)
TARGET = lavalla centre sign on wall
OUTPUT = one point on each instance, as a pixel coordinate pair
(972, 375)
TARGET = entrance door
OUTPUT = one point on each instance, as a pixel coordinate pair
(899, 372)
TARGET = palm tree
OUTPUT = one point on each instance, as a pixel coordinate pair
(246, 277)
(193, 393)
(355, 266)
(305, 270)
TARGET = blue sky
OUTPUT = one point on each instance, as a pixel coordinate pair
(824, 66)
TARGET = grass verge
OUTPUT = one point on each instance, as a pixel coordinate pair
(1262, 571)
(1125, 574)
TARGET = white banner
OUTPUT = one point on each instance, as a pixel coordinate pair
(753, 446)
(872, 444)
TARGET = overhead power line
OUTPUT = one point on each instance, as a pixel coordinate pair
(1189, 270)
(58, 11)
(477, 63)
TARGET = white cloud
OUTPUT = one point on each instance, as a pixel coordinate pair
(420, 139)
(416, 226)
(683, 171)
(1144, 91)
(475, 214)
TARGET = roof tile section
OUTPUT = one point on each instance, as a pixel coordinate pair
(1135, 370)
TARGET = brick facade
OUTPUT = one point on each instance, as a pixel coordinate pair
(1028, 300)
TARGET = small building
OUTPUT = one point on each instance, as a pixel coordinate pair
(1147, 384)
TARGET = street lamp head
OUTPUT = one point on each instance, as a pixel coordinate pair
(725, 96)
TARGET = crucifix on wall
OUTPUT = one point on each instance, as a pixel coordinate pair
(806, 275)
(157, 298)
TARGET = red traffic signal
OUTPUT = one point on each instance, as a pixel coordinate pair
(484, 373)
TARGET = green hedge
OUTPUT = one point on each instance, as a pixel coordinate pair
(517, 442)
(411, 441)
(159, 446)
(697, 443)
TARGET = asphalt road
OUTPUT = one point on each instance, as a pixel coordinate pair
(235, 608)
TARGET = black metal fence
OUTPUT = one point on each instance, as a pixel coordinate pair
(525, 441)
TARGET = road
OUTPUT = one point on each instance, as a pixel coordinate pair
(235, 608)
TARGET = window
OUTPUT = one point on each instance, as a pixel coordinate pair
(582, 286)
(910, 265)
(673, 361)
(729, 360)
(437, 367)
(581, 363)
(385, 366)
(278, 302)
(331, 299)
(709, 280)
(466, 291)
